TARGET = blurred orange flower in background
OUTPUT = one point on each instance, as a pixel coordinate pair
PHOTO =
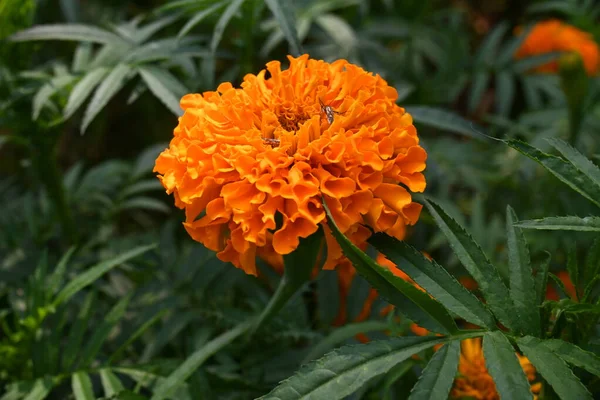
(474, 381)
(251, 165)
(554, 35)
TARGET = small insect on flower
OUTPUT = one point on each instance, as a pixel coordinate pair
(271, 142)
(328, 112)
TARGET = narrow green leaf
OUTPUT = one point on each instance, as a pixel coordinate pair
(428, 313)
(198, 17)
(283, 11)
(110, 382)
(144, 203)
(560, 285)
(507, 54)
(342, 334)
(522, 285)
(563, 170)
(571, 223)
(107, 89)
(42, 97)
(193, 362)
(573, 267)
(59, 272)
(436, 380)
(574, 355)
(144, 33)
(148, 185)
(41, 389)
(82, 57)
(554, 370)
(158, 85)
(139, 332)
(478, 87)
(435, 279)
(77, 331)
(444, 120)
(504, 366)
(505, 92)
(486, 54)
(75, 32)
(222, 23)
(92, 274)
(541, 280)
(592, 261)
(102, 331)
(476, 263)
(82, 90)
(526, 64)
(81, 385)
(392, 376)
(345, 370)
(581, 162)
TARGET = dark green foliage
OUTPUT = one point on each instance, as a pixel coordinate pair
(103, 295)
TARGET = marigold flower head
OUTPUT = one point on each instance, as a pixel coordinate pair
(251, 165)
(474, 381)
(554, 35)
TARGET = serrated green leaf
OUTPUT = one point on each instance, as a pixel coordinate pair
(167, 387)
(81, 385)
(198, 17)
(82, 90)
(436, 380)
(342, 334)
(159, 86)
(222, 23)
(504, 366)
(435, 279)
(563, 170)
(573, 268)
(144, 33)
(345, 370)
(283, 11)
(554, 370)
(75, 32)
(444, 120)
(92, 274)
(581, 162)
(115, 80)
(574, 355)
(522, 285)
(110, 383)
(102, 331)
(505, 92)
(477, 264)
(428, 313)
(587, 224)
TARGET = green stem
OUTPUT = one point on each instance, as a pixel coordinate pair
(44, 155)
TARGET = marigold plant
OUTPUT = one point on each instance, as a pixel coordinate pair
(252, 165)
(474, 381)
(554, 35)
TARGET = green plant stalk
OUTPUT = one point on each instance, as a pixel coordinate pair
(44, 156)
(298, 267)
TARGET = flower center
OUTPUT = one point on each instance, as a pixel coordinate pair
(291, 121)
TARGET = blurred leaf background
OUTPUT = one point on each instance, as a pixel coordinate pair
(103, 294)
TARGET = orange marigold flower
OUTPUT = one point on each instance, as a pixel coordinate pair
(251, 165)
(554, 35)
(474, 381)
